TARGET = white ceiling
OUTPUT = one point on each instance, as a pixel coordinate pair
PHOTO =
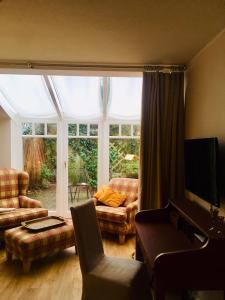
(108, 31)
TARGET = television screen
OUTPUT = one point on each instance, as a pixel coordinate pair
(201, 168)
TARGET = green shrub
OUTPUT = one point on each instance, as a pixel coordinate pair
(45, 176)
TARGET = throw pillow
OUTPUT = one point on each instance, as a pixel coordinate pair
(109, 197)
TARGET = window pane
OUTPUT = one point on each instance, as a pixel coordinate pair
(126, 130)
(79, 96)
(27, 128)
(93, 130)
(114, 130)
(125, 97)
(39, 157)
(136, 130)
(51, 129)
(72, 129)
(27, 95)
(82, 129)
(39, 129)
(119, 164)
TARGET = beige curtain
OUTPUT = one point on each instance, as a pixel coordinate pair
(162, 139)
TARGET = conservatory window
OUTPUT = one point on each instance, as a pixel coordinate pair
(79, 96)
(28, 95)
(39, 128)
(102, 118)
(51, 129)
(36, 129)
(125, 98)
(124, 144)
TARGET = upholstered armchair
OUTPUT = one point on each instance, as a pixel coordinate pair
(13, 188)
(119, 220)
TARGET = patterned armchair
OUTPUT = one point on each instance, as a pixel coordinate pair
(13, 188)
(119, 220)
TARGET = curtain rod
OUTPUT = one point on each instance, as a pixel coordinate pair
(38, 65)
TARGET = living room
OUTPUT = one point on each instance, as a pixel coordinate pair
(108, 42)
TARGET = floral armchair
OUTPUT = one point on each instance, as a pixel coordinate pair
(13, 188)
(119, 220)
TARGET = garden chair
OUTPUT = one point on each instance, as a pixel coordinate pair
(80, 186)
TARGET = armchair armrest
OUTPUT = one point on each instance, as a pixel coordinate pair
(95, 200)
(26, 202)
(131, 210)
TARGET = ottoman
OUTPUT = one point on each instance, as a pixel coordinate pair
(29, 246)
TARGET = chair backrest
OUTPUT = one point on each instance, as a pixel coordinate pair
(87, 235)
(127, 186)
(12, 184)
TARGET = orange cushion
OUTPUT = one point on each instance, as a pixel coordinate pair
(109, 197)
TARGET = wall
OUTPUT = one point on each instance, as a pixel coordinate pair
(5, 136)
(205, 97)
(205, 106)
(205, 93)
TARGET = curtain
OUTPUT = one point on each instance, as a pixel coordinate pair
(162, 139)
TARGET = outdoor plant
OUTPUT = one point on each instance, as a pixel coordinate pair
(86, 166)
(130, 169)
(119, 167)
(74, 164)
(45, 176)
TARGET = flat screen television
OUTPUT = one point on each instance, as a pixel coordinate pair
(201, 169)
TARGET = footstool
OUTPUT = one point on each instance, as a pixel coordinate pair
(29, 246)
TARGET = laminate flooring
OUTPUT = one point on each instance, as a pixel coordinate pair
(56, 277)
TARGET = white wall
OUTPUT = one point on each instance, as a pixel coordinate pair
(5, 148)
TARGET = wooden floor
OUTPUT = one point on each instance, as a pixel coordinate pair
(54, 278)
(58, 277)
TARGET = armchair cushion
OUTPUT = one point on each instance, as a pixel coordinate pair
(17, 216)
(112, 214)
(109, 197)
(7, 203)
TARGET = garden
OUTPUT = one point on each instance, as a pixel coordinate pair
(40, 162)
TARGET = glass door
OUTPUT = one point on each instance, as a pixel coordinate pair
(39, 142)
(82, 161)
